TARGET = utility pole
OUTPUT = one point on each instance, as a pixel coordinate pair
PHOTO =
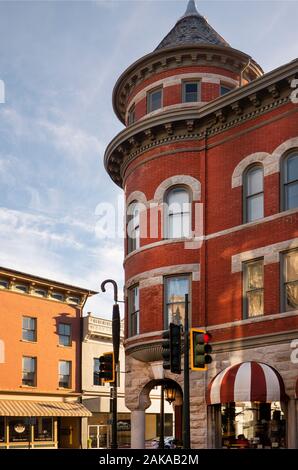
(186, 409)
(116, 345)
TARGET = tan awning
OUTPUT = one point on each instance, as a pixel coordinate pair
(42, 408)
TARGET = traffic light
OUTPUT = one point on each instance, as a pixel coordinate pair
(175, 348)
(166, 350)
(171, 349)
(107, 367)
(200, 349)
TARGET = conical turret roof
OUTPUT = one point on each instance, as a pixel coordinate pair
(192, 28)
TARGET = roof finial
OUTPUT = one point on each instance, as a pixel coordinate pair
(191, 9)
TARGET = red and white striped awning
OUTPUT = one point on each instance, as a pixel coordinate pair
(247, 381)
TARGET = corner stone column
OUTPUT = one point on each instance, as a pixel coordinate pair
(292, 423)
(138, 429)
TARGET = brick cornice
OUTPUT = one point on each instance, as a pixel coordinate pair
(187, 124)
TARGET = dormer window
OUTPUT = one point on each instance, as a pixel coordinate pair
(57, 296)
(21, 288)
(40, 292)
(73, 300)
(154, 100)
(224, 90)
(190, 92)
(3, 284)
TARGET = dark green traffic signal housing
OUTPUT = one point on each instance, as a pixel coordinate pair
(107, 367)
(200, 349)
(166, 350)
(171, 349)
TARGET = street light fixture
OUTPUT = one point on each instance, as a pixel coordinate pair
(170, 393)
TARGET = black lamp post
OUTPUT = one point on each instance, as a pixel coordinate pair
(116, 345)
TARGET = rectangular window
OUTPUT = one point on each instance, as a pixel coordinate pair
(43, 429)
(290, 281)
(96, 369)
(190, 92)
(253, 288)
(19, 429)
(29, 329)
(64, 330)
(29, 371)
(64, 374)
(2, 429)
(154, 100)
(131, 115)
(175, 289)
(134, 311)
(224, 90)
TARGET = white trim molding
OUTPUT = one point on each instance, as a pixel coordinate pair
(270, 162)
(155, 276)
(270, 253)
(186, 180)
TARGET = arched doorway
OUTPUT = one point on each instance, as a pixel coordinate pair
(172, 393)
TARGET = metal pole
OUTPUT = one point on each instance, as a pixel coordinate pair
(186, 409)
(114, 443)
(116, 345)
(162, 422)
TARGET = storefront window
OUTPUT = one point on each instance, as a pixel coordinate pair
(2, 429)
(43, 429)
(19, 429)
(252, 425)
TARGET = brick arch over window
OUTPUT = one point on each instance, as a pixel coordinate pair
(270, 162)
(186, 180)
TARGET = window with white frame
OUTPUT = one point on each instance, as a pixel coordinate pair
(177, 213)
(133, 227)
(190, 92)
(254, 194)
(29, 371)
(64, 374)
(29, 328)
(253, 288)
(133, 311)
(154, 100)
(290, 181)
(290, 280)
(175, 288)
(64, 331)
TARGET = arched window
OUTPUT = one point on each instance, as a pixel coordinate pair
(177, 213)
(290, 181)
(133, 227)
(254, 194)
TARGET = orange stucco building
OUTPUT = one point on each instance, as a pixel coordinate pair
(40, 362)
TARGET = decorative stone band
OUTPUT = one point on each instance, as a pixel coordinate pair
(247, 381)
(222, 233)
(177, 80)
(270, 162)
(270, 253)
(155, 276)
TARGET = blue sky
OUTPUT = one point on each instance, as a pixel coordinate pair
(59, 61)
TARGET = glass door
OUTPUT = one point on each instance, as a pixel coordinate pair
(99, 436)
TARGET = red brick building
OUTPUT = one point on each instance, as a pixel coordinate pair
(209, 137)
